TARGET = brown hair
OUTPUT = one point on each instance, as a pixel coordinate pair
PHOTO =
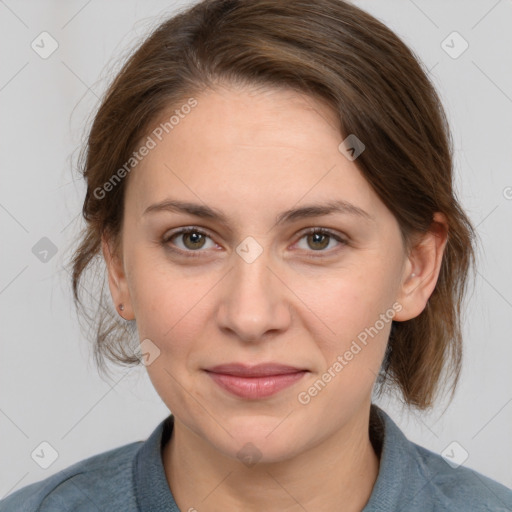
(331, 50)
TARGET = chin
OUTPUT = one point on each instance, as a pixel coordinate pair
(260, 438)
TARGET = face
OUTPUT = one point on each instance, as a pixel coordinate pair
(252, 285)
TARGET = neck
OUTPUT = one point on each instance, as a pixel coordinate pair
(337, 474)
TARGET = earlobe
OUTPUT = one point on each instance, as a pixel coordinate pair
(422, 270)
(116, 280)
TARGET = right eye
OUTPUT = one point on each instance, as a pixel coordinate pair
(192, 240)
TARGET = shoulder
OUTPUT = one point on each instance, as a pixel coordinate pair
(459, 487)
(86, 485)
(413, 478)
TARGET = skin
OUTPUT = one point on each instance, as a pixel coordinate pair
(253, 153)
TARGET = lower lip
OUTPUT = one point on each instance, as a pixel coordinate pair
(255, 387)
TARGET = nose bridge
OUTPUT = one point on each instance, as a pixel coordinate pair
(254, 302)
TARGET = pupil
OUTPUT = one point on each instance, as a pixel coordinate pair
(317, 236)
(195, 238)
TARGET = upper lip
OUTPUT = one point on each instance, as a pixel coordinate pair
(259, 370)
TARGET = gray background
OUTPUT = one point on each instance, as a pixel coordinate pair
(49, 388)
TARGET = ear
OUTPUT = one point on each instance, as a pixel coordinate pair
(117, 279)
(424, 261)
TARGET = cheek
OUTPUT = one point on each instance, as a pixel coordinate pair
(347, 302)
(351, 331)
(351, 328)
(168, 303)
(171, 312)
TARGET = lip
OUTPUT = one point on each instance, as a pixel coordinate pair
(257, 370)
(256, 381)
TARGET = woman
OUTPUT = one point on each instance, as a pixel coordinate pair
(270, 186)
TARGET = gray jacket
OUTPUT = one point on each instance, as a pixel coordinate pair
(131, 478)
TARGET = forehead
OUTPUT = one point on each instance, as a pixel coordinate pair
(244, 150)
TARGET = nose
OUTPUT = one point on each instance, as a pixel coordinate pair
(254, 303)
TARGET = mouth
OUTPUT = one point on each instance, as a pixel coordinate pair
(255, 382)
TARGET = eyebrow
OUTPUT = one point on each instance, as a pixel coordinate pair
(312, 210)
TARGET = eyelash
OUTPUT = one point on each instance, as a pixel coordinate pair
(193, 229)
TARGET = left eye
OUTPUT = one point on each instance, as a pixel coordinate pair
(319, 239)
